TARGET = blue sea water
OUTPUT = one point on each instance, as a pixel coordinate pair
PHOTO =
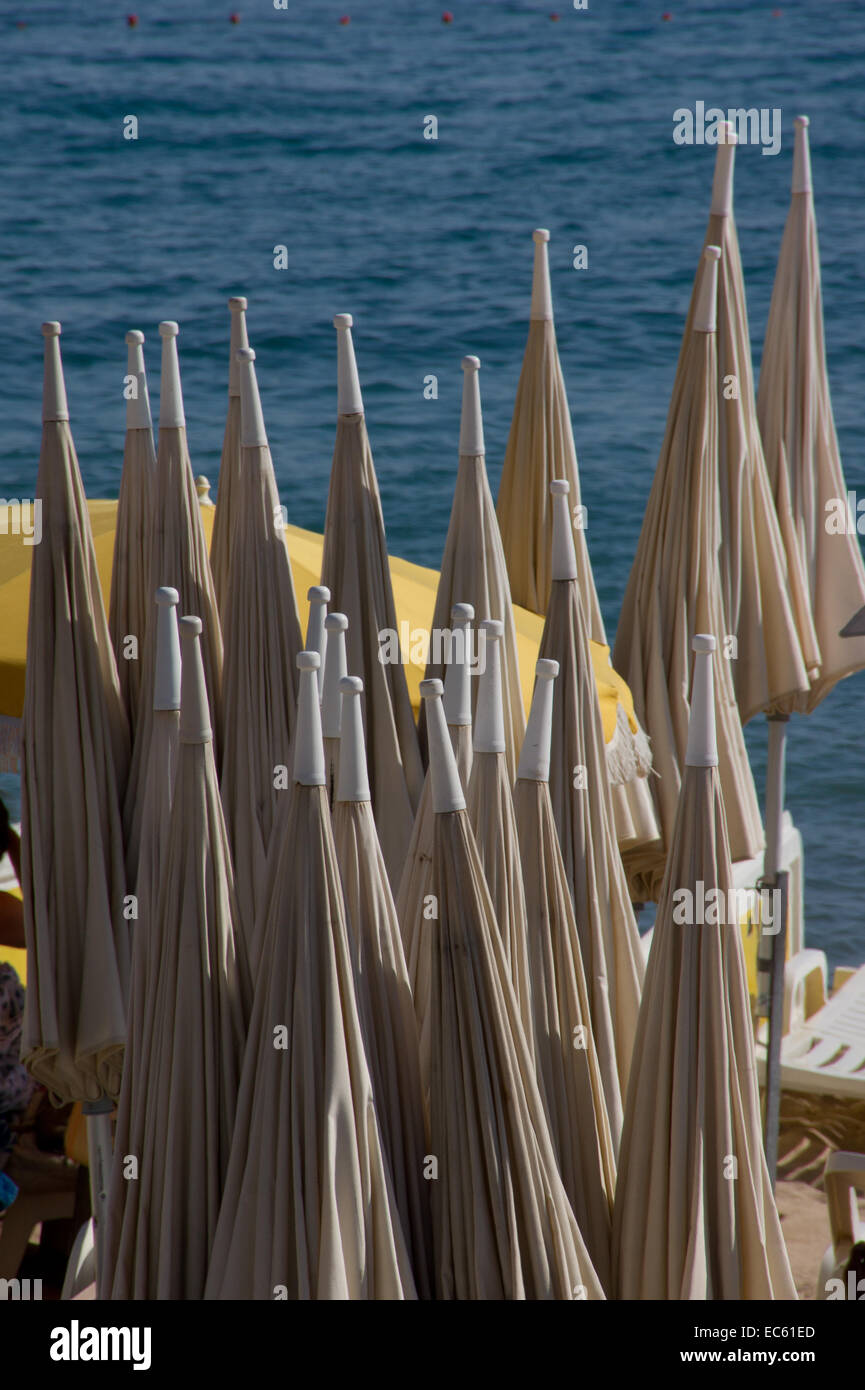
(289, 128)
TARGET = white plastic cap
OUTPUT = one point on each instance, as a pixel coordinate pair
(564, 553)
(471, 422)
(308, 747)
(706, 313)
(489, 731)
(702, 745)
(252, 431)
(801, 156)
(542, 295)
(138, 415)
(316, 637)
(54, 406)
(458, 691)
(335, 668)
(535, 755)
(349, 401)
(239, 339)
(170, 395)
(446, 787)
(166, 686)
(352, 783)
(722, 184)
(194, 709)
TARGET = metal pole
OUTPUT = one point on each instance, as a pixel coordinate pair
(772, 950)
(98, 1114)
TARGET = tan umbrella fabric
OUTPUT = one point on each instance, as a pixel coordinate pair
(694, 1215)
(565, 1050)
(580, 795)
(227, 490)
(309, 1209)
(502, 1224)
(674, 589)
(355, 568)
(74, 757)
(473, 566)
(178, 558)
(384, 994)
(130, 570)
(795, 412)
(262, 640)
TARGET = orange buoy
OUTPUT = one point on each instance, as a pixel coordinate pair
(132, 20)
(345, 19)
(234, 17)
(447, 17)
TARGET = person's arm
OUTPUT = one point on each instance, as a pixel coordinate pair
(11, 921)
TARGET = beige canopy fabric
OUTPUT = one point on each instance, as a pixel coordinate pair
(228, 489)
(130, 570)
(502, 1223)
(309, 1209)
(383, 990)
(355, 568)
(189, 1067)
(75, 753)
(795, 412)
(262, 640)
(674, 589)
(694, 1215)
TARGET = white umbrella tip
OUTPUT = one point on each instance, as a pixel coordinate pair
(167, 596)
(540, 234)
(169, 329)
(703, 642)
(308, 661)
(51, 330)
(135, 337)
(546, 669)
(245, 354)
(560, 487)
(431, 689)
(802, 122)
(493, 627)
(238, 303)
(728, 134)
(702, 750)
(462, 613)
(534, 764)
(471, 364)
(343, 321)
(319, 593)
(190, 626)
(336, 622)
(706, 312)
(351, 685)
(712, 253)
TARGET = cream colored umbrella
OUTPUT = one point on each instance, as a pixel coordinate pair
(580, 795)
(309, 1209)
(414, 904)
(230, 465)
(130, 570)
(335, 667)
(318, 597)
(565, 1051)
(355, 568)
(502, 1224)
(675, 589)
(694, 1214)
(178, 559)
(384, 994)
(490, 806)
(262, 639)
(191, 1067)
(473, 567)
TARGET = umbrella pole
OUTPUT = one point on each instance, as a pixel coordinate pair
(772, 951)
(98, 1115)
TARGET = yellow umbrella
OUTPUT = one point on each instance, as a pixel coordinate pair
(230, 465)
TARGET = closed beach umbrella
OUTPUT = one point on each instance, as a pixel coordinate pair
(674, 590)
(262, 639)
(490, 806)
(130, 571)
(694, 1214)
(309, 1209)
(502, 1224)
(580, 795)
(473, 566)
(565, 1051)
(335, 667)
(229, 467)
(355, 568)
(384, 994)
(195, 1046)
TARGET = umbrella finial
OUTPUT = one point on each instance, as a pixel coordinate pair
(239, 339)
(170, 395)
(316, 636)
(802, 157)
(458, 691)
(194, 709)
(702, 744)
(138, 415)
(535, 756)
(446, 788)
(489, 732)
(706, 314)
(252, 431)
(471, 423)
(54, 406)
(353, 780)
(722, 185)
(166, 686)
(349, 401)
(335, 668)
(308, 747)
(542, 294)
(564, 552)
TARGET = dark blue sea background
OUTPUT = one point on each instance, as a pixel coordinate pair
(290, 128)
